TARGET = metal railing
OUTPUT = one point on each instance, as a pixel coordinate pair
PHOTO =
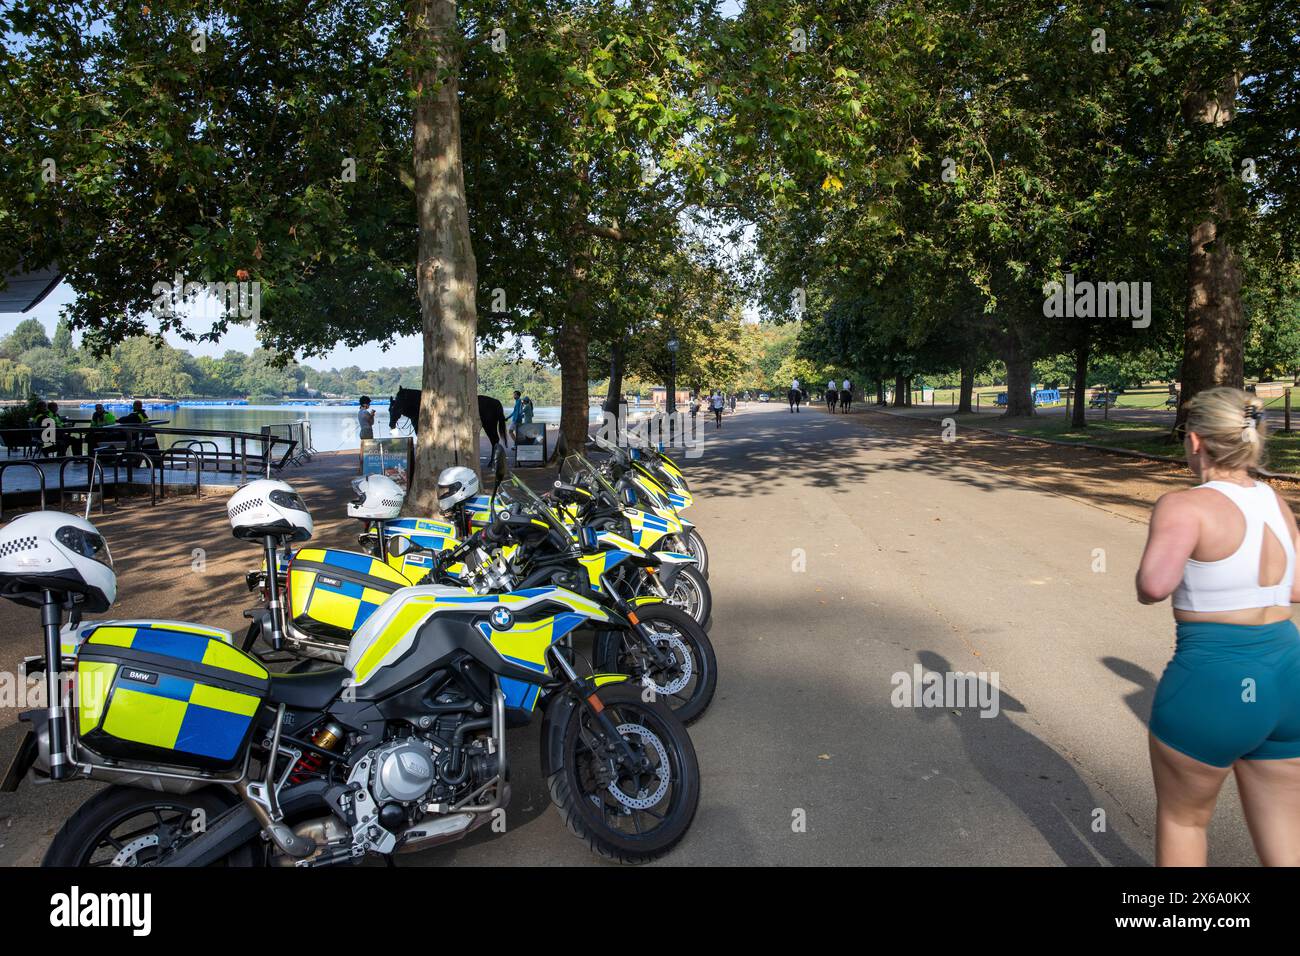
(187, 455)
(21, 463)
(131, 447)
(93, 468)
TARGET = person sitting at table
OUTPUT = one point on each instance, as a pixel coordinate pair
(64, 439)
(102, 417)
(46, 416)
(145, 438)
(135, 416)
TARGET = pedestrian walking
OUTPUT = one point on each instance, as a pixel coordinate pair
(366, 418)
(527, 411)
(733, 403)
(718, 405)
(1229, 700)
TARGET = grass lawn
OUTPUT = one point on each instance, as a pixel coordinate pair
(1283, 448)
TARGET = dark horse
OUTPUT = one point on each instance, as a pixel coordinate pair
(796, 397)
(846, 399)
(406, 404)
(832, 397)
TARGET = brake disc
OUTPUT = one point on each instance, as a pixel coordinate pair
(129, 855)
(644, 799)
(682, 654)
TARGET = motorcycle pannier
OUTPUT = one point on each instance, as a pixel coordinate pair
(166, 693)
(331, 593)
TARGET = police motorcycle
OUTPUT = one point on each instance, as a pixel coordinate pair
(641, 489)
(586, 499)
(212, 760)
(658, 644)
(660, 467)
(670, 576)
(323, 594)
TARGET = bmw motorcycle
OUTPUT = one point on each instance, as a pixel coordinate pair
(214, 760)
(663, 648)
(641, 486)
(620, 528)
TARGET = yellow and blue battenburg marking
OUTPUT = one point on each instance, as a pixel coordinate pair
(338, 589)
(166, 685)
(72, 636)
(370, 652)
(647, 528)
(525, 643)
(601, 562)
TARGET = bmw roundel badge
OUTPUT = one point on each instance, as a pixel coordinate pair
(502, 619)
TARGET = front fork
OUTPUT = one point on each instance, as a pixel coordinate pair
(588, 694)
(662, 658)
(51, 619)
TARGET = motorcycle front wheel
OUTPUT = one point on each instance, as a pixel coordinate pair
(687, 677)
(691, 593)
(632, 815)
(126, 826)
(692, 543)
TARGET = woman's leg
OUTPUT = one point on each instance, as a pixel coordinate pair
(1186, 791)
(1270, 795)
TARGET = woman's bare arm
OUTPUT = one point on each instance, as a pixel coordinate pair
(1289, 517)
(1175, 528)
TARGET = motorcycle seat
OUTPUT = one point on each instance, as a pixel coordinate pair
(310, 690)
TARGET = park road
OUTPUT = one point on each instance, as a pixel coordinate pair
(847, 549)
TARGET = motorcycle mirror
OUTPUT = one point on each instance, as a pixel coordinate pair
(399, 545)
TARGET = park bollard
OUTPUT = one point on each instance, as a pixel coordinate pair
(1287, 426)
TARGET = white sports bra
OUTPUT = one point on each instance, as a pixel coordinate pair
(1232, 583)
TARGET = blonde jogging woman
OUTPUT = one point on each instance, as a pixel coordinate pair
(1229, 700)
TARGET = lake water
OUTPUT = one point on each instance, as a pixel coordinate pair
(333, 427)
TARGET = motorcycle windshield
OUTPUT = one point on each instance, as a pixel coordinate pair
(647, 490)
(579, 471)
(515, 497)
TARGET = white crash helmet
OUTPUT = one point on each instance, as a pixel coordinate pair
(49, 550)
(377, 498)
(456, 484)
(267, 507)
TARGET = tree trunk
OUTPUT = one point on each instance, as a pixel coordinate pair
(1020, 374)
(900, 391)
(1215, 327)
(966, 399)
(909, 392)
(446, 273)
(571, 350)
(614, 398)
(880, 391)
(1082, 350)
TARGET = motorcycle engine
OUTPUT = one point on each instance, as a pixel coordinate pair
(401, 793)
(403, 771)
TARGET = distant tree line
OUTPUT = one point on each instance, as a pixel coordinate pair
(31, 363)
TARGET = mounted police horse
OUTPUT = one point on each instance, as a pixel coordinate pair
(832, 398)
(406, 404)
